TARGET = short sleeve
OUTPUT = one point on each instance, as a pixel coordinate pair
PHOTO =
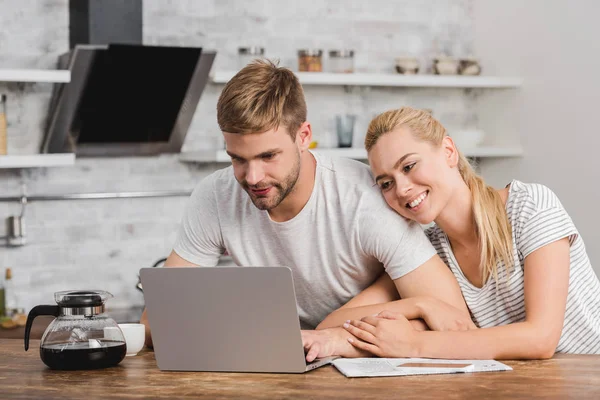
(400, 245)
(544, 227)
(199, 239)
(540, 219)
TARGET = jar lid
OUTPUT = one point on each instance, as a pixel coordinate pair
(341, 53)
(81, 298)
(251, 51)
(310, 53)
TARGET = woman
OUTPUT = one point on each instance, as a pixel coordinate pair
(520, 262)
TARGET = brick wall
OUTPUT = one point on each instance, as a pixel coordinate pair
(103, 243)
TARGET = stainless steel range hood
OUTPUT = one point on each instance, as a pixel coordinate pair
(126, 99)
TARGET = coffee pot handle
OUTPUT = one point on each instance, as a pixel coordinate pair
(36, 311)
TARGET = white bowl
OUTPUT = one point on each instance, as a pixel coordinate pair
(446, 66)
(135, 335)
(469, 66)
(407, 65)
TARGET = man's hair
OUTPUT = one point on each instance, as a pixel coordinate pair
(260, 97)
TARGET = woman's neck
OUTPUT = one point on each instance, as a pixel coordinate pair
(457, 220)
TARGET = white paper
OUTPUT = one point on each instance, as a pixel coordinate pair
(365, 367)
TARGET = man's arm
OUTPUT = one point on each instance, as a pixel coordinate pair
(381, 292)
(425, 284)
(174, 260)
(432, 280)
(429, 287)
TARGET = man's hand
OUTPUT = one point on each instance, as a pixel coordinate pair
(329, 342)
(384, 337)
(440, 316)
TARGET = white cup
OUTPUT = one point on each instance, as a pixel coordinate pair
(113, 333)
(135, 335)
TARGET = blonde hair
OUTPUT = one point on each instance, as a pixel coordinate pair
(260, 97)
(491, 221)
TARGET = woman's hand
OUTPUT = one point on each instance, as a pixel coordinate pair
(440, 316)
(384, 337)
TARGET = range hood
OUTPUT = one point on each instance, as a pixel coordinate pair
(126, 99)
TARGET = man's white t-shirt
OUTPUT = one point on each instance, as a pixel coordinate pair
(337, 245)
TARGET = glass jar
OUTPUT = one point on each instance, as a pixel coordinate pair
(82, 336)
(3, 133)
(341, 61)
(248, 54)
(310, 60)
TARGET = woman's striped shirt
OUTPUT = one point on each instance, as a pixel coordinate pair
(537, 218)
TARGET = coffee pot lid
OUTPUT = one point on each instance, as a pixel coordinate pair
(81, 298)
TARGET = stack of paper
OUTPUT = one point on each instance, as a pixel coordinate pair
(364, 367)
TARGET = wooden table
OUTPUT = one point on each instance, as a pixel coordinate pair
(24, 376)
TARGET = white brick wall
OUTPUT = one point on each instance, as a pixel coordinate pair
(103, 243)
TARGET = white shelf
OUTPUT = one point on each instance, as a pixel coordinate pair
(355, 153)
(491, 152)
(206, 156)
(368, 79)
(35, 75)
(37, 160)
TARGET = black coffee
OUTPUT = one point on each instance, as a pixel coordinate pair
(71, 356)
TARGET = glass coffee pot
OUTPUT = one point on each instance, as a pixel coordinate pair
(82, 336)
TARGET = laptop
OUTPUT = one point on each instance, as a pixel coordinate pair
(226, 319)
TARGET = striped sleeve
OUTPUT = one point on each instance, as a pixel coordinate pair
(548, 224)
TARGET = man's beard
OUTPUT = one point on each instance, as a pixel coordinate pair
(279, 190)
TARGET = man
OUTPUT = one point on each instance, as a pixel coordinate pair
(281, 205)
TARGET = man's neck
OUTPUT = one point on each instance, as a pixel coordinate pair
(300, 194)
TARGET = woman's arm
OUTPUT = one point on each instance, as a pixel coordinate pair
(546, 289)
